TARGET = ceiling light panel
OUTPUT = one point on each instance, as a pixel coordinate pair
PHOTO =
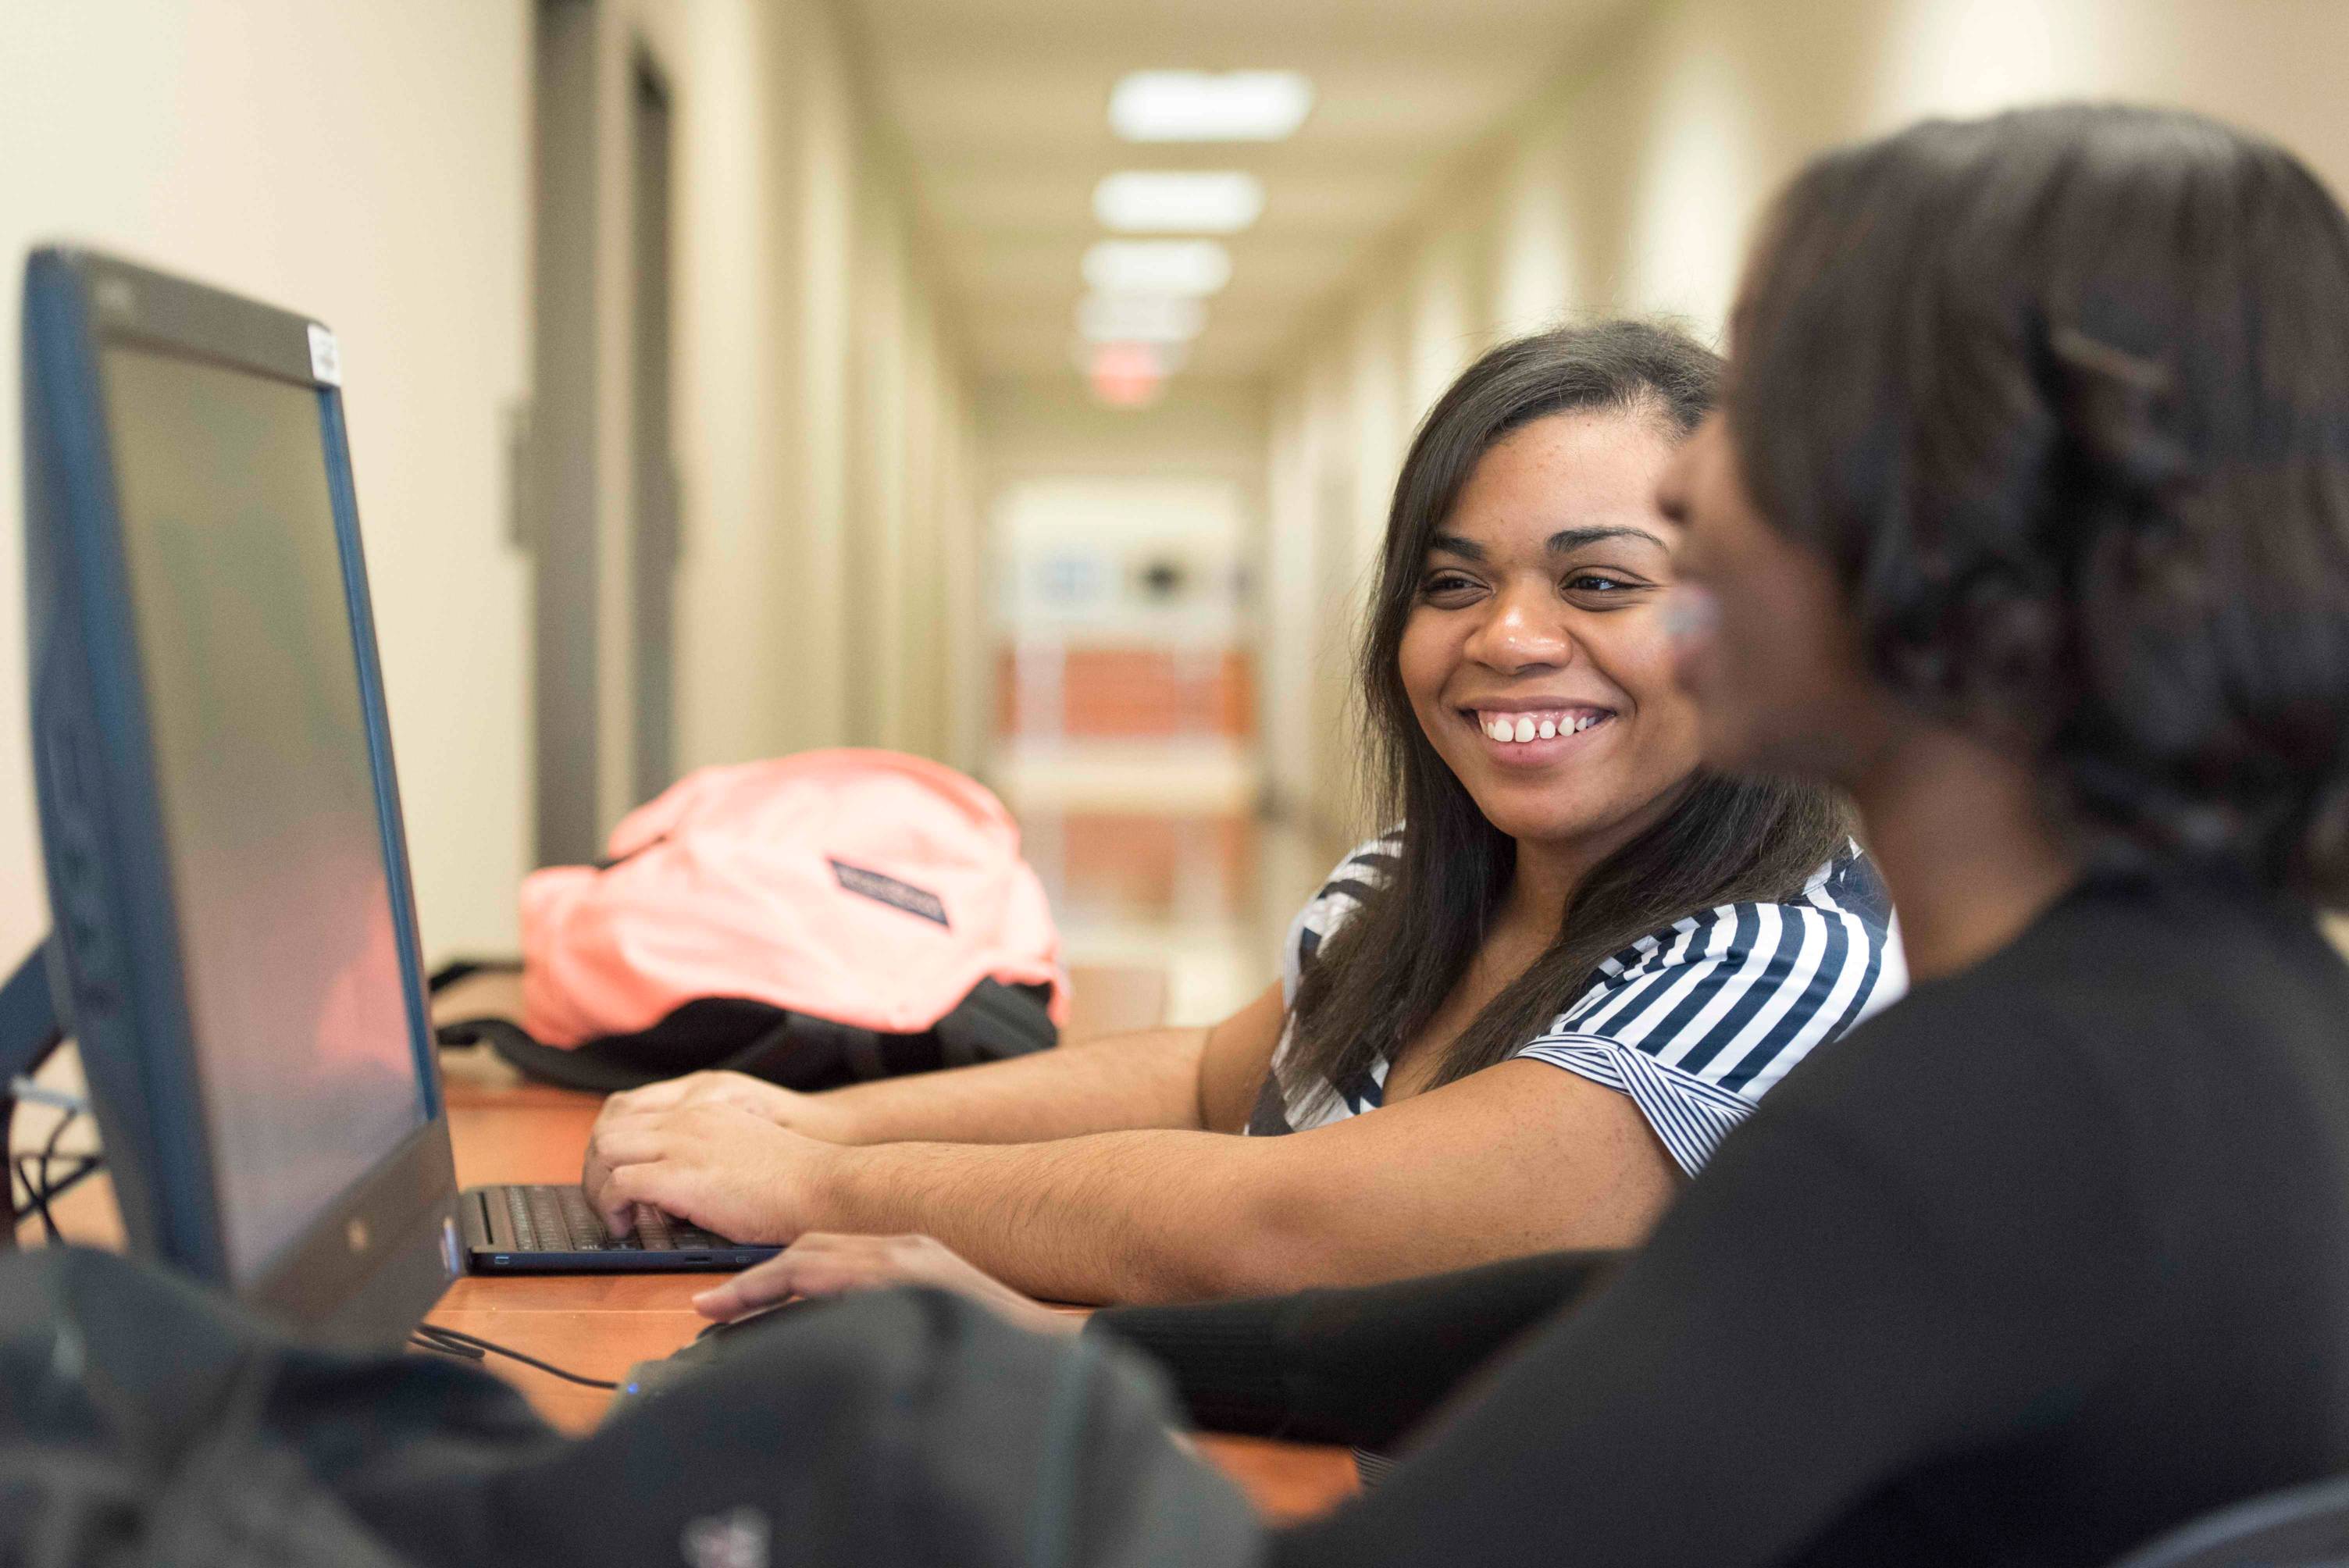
(1193, 267)
(1178, 201)
(1208, 106)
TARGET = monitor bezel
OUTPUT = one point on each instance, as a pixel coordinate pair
(376, 1258)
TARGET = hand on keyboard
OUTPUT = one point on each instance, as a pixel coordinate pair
(551, 1219)
(717, 1165)
(818, 1115)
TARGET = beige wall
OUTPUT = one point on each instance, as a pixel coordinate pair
(370, 163)
(823, 433)
(1630, 187)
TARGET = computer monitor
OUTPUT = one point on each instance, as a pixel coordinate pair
(234, 935)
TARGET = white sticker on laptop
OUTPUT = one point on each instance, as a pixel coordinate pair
(326, 356)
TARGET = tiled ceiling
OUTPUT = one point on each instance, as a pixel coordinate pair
(1001, 106)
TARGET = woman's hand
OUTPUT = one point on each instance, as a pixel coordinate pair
(714, 1164)
(811, 1114)
(818, 1266)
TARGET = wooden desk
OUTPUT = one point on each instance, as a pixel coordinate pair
(600, 1325)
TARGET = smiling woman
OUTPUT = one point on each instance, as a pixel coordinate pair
(1568, 886)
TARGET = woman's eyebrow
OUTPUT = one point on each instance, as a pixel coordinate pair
(1559, 543)
(1569, 539)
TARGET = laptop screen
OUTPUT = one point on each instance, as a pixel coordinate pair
(274, 837)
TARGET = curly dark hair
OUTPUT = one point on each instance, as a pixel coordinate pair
(1385, 974)
(2063, 395)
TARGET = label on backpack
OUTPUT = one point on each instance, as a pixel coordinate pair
(890, 891)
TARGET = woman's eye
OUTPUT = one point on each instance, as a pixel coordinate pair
(1440, 583)
(1596, 583)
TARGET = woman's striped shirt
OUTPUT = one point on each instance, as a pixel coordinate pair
(1695, 1022)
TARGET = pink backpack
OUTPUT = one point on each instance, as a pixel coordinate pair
(817, 918)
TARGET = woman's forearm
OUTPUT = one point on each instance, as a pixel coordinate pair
(1149, 1215)
(1517, 1158)
(1145, 1079)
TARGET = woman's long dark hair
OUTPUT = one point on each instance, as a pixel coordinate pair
(1383, 975)
(2063, 395)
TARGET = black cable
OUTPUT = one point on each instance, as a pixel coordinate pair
(26, 1172)
(36, 1194)
(48, 1153)
(40, 1191)
(455, 1338)
(444, 1348)
(434, 1339)
(90, 1165)
(37, 1186)
(20, 1167)
(49, 1150)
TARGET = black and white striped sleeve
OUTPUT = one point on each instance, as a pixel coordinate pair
(1697, 1022)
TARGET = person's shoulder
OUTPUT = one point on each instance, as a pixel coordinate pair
(2094, 1049)
(2169, 974)
(2146, 949)
(1841, 917)
(2030, 1025)
(2205, 931)
(1352, 880)
(1739, 993)
(1849, 883)
(1365, 869)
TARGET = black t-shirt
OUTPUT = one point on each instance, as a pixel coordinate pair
(2048, 1257)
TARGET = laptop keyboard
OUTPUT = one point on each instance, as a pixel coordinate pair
(559, 1219)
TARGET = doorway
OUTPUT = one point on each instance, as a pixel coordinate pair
(601, 518)
(653, 584)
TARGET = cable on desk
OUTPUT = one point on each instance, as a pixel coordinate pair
(41, 1191)
(421, 1341)
(33, 1170)
(454, 1342)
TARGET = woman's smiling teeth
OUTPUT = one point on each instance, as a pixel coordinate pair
(1524, 727)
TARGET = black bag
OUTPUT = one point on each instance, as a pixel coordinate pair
(145, 1420)
(733, 1034)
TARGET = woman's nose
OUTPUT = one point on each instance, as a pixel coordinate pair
(1522, 629)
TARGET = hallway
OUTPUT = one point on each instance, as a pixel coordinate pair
(1206, 898)
(1020, 359)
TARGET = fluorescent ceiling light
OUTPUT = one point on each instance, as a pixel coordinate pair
(1140, 318)
(1157, 266)
(1204, 106)
(1178, 201)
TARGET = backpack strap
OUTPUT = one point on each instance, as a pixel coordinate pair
(995, 1021)
(548, 1064)
(810, 1053)
(457, 969)
(797, 1051)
